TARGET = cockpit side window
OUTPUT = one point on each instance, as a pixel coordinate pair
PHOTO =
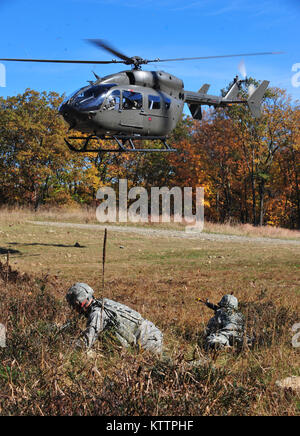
(112, 101)
(153, 102)
(132, 100)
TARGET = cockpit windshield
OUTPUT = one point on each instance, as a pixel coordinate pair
(90, 97)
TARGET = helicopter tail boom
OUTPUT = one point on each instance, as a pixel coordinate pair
(196, 99)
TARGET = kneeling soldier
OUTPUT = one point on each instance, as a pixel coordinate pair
(129, 327)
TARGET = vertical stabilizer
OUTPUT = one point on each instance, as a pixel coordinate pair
(255, 99)
(204, 88)
(233, 92)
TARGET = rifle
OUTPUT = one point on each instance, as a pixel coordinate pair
(60, 329)
(208, 304)
(64, 326)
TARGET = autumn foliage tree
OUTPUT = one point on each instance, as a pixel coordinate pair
(36, 166)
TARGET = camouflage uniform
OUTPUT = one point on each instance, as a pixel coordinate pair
(226, 328)
(128, 326)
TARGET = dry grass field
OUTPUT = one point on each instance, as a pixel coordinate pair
(161, 277)
(86, 215)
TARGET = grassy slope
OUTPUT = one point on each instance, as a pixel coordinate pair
(161, 278)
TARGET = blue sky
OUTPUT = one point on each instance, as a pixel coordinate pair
(164, 29)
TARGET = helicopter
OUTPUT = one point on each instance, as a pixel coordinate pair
(136, 105)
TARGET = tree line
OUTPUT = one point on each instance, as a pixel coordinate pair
(250, 168)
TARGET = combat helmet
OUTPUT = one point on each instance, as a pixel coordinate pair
(228, 301)
(80, 295)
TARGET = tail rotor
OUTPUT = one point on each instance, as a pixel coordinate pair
(243, 72)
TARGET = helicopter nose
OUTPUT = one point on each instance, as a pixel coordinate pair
(73, 116)
(67, 111)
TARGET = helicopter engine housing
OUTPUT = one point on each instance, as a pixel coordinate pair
(159, 80)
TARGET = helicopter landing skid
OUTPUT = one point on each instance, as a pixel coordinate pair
(121, 141)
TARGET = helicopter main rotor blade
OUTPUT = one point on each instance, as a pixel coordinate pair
(61, 61)
(102, 44)
(215, 57)
(137, 61)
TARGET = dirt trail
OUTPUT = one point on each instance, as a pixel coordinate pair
(168, 233)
